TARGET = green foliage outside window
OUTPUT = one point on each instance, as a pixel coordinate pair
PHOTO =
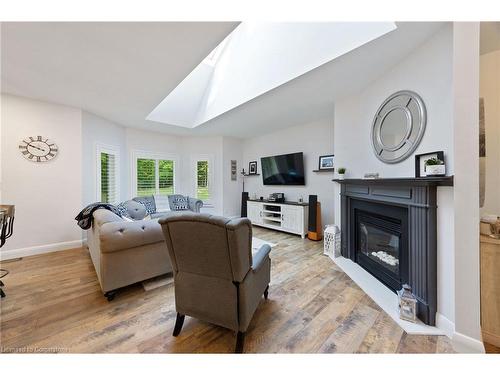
(104, 177)
(147, 170)
(202, 174)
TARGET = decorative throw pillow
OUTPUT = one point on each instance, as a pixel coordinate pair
(148, 202)
(180, 203)
(123, 209)
(135, 210)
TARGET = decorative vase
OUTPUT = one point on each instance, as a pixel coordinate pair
(435, 170)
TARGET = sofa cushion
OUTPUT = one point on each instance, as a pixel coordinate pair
(121, 235)
(102, 216)
(180, 203)
(148, 202)
(135, 210)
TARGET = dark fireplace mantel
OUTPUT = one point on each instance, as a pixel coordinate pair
(418, 197)
(402, 181)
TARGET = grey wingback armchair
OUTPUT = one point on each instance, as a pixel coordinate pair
(215, 276)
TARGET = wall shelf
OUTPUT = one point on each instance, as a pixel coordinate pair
(250, 175)
(324, 170)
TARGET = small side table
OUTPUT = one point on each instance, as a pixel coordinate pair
(6, 229)
(2, 274)
(2, 293)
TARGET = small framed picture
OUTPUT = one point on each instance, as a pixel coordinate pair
(234, 167)
(252, 167)
(422, 158)
(325, 162)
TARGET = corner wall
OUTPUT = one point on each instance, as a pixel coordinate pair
(232, 149)
(98, 131)
(465, 96)
(47, 195)
(313, 139)
(427, 71)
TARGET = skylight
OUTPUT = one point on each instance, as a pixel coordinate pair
(256, 58)
(212, 58)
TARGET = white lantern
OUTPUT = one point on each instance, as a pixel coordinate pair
(332, 241)
(407, 304)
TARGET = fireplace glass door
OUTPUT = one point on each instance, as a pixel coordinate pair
(380, 246)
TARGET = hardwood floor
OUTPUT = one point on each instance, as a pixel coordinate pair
(54, 304)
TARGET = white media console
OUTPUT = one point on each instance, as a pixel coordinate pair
(288, 217)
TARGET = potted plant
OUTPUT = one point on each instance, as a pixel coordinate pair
(341, 172)
(434, 167)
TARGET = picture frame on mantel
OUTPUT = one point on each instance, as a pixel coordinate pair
(325, 163)
(422, 158)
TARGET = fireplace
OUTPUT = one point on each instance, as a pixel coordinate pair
(380, 239)
(389, 229)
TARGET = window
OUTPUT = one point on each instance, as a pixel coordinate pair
(166, 176)
(146, 177)
(154, 175)
(202, 188)
(203, 179)
(108, 174)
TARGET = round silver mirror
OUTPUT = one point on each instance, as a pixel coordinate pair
(398, 126)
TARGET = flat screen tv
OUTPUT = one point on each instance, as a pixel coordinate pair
(283, 169)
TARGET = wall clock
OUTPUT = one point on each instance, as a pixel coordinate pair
(38, 148)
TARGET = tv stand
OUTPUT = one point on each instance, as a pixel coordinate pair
(288, 217)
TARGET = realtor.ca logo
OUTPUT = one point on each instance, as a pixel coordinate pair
(32, 349)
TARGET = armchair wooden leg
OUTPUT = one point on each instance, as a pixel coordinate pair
(266, 292)
(240, 342)
(179, 321)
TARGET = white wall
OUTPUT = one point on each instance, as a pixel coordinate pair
(314, 139)
(61, 187)
(47, 195)
(210, 147)
(98, 131)
(427, 71)
(466, 188)
(232, 149)
(489, 89)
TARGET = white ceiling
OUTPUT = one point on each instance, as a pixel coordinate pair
(121, 71)
(255, 58)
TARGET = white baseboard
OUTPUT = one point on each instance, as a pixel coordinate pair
(465, 344)
(36, 250)
(445, 325)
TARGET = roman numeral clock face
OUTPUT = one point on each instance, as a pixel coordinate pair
(38, 149)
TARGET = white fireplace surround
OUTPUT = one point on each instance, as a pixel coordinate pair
(388, 300)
